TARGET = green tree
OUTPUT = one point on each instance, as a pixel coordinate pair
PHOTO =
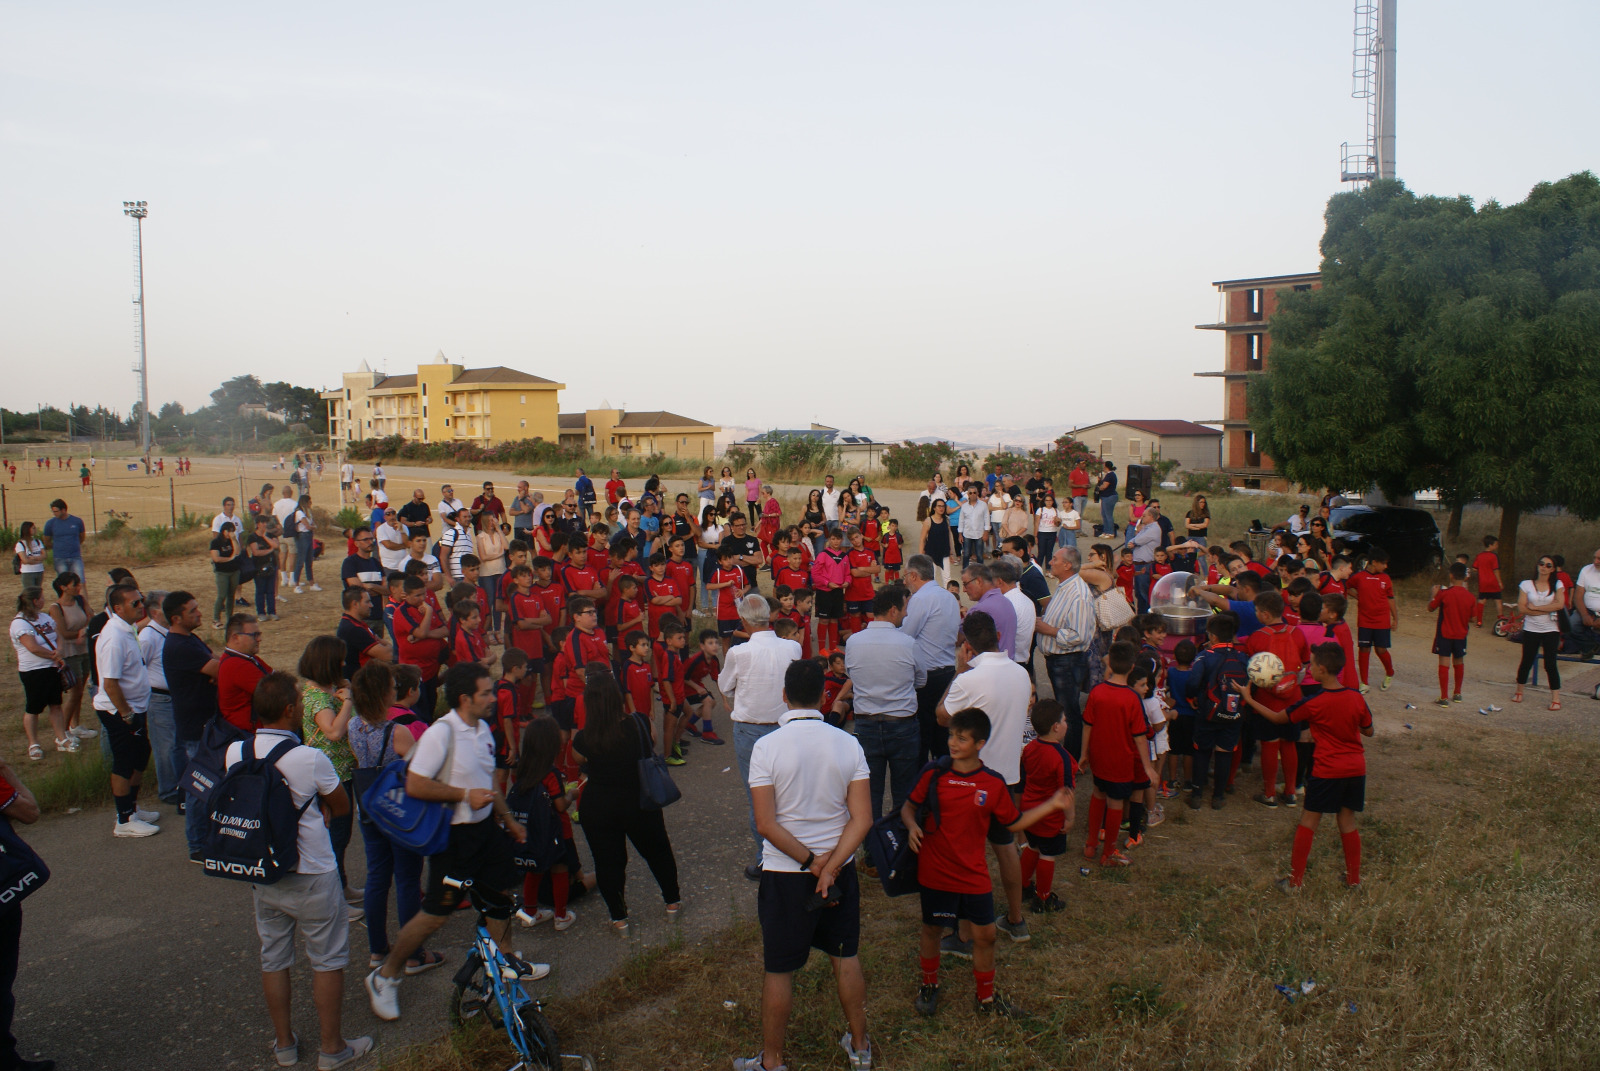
(1448, 347)
(240, 390)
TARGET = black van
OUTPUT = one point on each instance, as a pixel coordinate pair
(1409, 535)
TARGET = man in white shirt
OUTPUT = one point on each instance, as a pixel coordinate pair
(123, 704)
(311, 900)
(974, 527)
(456, 542)
(227, 515)
(752, 680)
(990, 680)
(1586, 600)
(377, 474)
(454, 763)
(830, 500)
(808, 785)
(448, 502)
(392, 538)
(161, 722)
(282, 509)
(1007, 571)
(347, 481)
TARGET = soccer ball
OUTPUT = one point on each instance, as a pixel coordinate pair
(1265, 669)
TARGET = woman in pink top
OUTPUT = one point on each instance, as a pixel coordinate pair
(752, 495)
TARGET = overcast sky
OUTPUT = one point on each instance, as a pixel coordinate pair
(752, 214)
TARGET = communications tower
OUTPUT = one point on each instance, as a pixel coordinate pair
(1373, 76)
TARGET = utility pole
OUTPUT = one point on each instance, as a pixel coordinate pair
(138, 211)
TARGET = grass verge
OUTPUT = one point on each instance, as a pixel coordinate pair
(1472, 944)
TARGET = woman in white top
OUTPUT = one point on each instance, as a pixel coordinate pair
(709, 540)
(1047, 522)
(39, 663)
(1069, 522)
(31, 551)
(491, 550)
(997, 509)
(304, 529)
(1540, 601)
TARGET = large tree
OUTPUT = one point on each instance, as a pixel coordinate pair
(1449, 347)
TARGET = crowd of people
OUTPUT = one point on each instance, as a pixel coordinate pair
(523, 659)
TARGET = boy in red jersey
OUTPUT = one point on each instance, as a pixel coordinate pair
(666, 662)
(637, 680)
(1338, 718)
(561, 702)
(859, 591)
(1334, 607)
(508, 715)
(1125, 573)
(466, 643)
(701, 669)
(553, 596)
(1487, 563)
(662, 595)
(894, 554)
(681, 570)
(1376, 612)
(804, 598)
(584, 644)
(469, 575)
(1456, 607)
(527, 621)
(1117, 752)
(963, 797)
(792, 573)
(1277, 739)
(517, 553)
(872, 531)
(1332, 580)
(626, 610)
(579, 576)
(725, 586)
(837, 693)
(1046, 768)
(419, 639)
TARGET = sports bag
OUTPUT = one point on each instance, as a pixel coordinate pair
(1222, 702)
(657, 790)
(252, 825)
(366, 776)
(889, 842)
(545, 846)
(204, 772)
(417, 825)
(22, 872)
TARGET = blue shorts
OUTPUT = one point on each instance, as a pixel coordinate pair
(862, 607)
(1372, 637)
(940, 908)
(1453, 648)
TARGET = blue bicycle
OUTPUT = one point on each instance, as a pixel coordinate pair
(487, 987)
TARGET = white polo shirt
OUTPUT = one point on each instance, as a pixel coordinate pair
(752, 676)
(392, 560)
(308, 773)
(1027, 616)
(117, 657)
(809, 765)
(281, 510)
(1000, 688)
(152, 644)
(222, 518)
(471, 761)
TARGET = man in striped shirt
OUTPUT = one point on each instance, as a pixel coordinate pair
(1064, 634)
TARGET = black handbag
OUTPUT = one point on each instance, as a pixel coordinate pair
(22, 872)
(657, 790)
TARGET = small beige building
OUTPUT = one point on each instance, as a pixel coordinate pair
(619, 433)
(1138, 442)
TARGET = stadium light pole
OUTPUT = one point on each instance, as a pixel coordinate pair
(138, 211)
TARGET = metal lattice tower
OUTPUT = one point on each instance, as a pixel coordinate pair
(138, 211)
(1373, 83)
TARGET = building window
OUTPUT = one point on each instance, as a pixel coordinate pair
(591, 431)
(522, 399)
(613, 440)
(1252, 484)
(447, 422)
(523, 424)
(1253, 304)
(1105, 448)
(1134, 448)
(685, 441)
(1252, 352)
(347, 394)
(424, 412)
(1301, 288)
(424, 390)
(1252, 453)
(424, 434)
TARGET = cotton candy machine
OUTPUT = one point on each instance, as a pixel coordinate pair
(1174, 598)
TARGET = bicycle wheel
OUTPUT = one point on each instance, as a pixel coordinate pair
(473, 1000)
(542, 1046)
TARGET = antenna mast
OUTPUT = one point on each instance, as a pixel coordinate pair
(1373, 77)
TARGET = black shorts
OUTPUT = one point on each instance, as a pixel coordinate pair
(480, 851)
(561, 710)
(535, 665)
(998, 833)
(611, 636)
(1119, 790)
(727, 628)
(940, 908)
(1448, 648)
(1215, 735)
(789, 932)
(129, 741)
(41, 689)
(1372, 637)
(1049, 847)
(863, 606)
(1490, 596)
(1180, 735)
(1329, 795)
(1266, 732)
(830, 604)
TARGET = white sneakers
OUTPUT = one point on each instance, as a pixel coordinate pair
(384, 996)
(133, 827)
(298, 590)
(83, 733)
(564, 922)
(540, 916)
(151, 817)
(314, 587)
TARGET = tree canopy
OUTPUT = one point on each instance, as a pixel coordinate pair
(1449, 347)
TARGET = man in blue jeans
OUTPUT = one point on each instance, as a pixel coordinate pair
(1106, 494)
(190, 669)
(1065, 632)
(881, 662)
(63, 537)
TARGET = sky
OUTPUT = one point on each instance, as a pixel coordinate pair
(892, 218)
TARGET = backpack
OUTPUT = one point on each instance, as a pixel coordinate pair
(889, 842)
(1222, 702)
(205, 770)
(545, 846)
(252, 825)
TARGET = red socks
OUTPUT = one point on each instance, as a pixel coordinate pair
(1388, 663)
(1444, 682)
(1112, 827)
(1461, 675)
(558, 892)
(530, 891)
(1291, 764)
(1366, 660)
(930, 971)
(1352, 855)
(1045, 876)
(1097, 815)
(1302, 851)
(1269, 766)
(985, 980)
(1030, 860)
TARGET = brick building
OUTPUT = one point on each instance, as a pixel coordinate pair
(1248, 305)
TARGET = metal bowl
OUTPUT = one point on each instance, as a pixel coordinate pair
(1183, 620)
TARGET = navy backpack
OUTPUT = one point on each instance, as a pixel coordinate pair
(252, 825)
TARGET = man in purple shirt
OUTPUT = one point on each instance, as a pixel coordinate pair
(979, 585)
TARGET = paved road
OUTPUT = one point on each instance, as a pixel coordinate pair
(134, 959)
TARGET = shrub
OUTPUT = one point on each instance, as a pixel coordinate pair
(1204, 482)
(918, 461)
(188, 522)
(1057, 460)
(116, 524)
(739, 458)
(790, 453)
(349, 518)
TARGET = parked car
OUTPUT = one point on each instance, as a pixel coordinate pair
(1409, 535)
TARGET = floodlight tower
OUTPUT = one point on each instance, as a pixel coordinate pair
(138, 211)
(1373, 73)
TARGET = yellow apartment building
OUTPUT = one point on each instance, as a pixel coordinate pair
(619, 433)
(443, 402)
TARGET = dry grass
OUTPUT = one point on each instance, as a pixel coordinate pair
(1472, 945)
